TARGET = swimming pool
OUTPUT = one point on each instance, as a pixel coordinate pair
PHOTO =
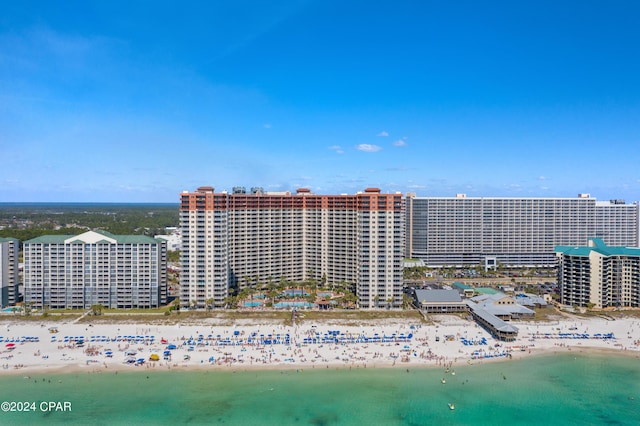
(294, 293)
(293, 305)
(252, 304)
(10, 309)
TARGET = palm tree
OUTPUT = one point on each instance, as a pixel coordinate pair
(231, 302)
(389, 302)
(209, 303)
(272, 295)
(406, 301)
(349, 299)
(282, 285)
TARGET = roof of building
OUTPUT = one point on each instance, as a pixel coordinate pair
(597, 245)
(94, 237)
(530, 300)
(461, 286)
(495, 322)
(438, 296)
(488, 297)
(486, 290)
(488, 303)
(4, 240)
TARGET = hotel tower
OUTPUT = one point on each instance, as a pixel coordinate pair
(243, 238)
(517, 232)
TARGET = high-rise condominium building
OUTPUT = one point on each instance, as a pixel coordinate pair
(468, 231)
(95, 268)
(243, 238)
(8, 271)
(598, 275)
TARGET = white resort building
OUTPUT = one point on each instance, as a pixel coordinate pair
(95, 268)
(517, 232)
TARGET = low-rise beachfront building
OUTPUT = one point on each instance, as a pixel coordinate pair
(489, 311)
(440, 301)
(531, 300)
(502, 306)
(95, 268)
(8, 271)
(498, 328)
(465, 290)
(598, 275)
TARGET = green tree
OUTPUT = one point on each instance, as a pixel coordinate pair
(231, 302)
(173, 256)
(406, 301)
(349, 299)
(96, 309)
(209, 303)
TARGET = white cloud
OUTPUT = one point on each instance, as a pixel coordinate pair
(383, 134)
(267, 126)
(365, 147)
(337, 148)
(542, 178)
(400, 142)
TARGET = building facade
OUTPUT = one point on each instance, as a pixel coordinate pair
(95, 268)
(9, 271)
(518, 232)
(244, 238)
(598, 275)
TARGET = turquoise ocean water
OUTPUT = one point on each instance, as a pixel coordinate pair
(552, 390)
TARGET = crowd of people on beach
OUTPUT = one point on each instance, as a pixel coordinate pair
(119, 346)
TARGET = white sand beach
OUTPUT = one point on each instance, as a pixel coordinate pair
(31, 346)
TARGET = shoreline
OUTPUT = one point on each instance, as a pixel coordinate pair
(77, 369)
(30, 348)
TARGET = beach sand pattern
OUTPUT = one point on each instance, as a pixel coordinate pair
(27, 346)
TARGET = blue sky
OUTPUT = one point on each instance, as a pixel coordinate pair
(113, 101)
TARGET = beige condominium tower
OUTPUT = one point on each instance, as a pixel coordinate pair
(243, 238)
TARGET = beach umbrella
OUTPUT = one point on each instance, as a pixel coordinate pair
(10, 345)
(171, 347)
(154, 357)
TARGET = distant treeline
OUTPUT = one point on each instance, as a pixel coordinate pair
(27, 221)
